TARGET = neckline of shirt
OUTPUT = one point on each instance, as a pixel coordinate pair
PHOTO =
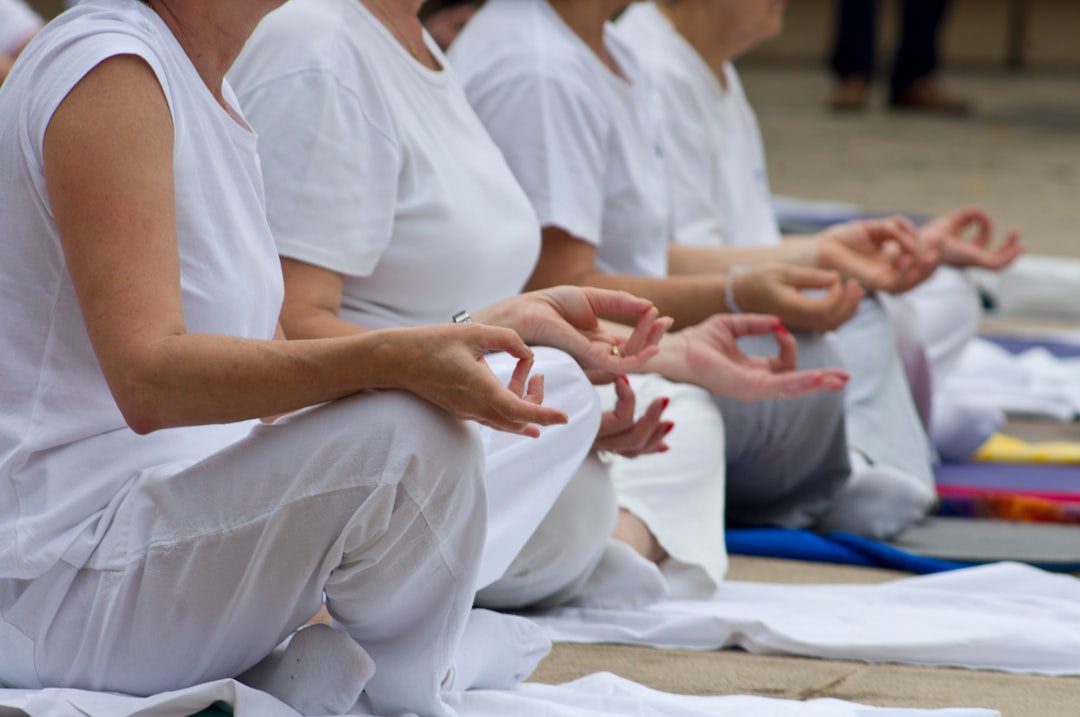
(627, 83)
(237, 124)
(434, 76)
(684, 48)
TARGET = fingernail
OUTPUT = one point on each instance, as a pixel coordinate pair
(664, 449)
(781, 330)
(665, 403)
(624, 378)
(669, 428)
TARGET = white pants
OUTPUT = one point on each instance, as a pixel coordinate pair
(882, 419)
(549, 508)
(376, 500)
(680, 495)
(933, 325)
(562, 553)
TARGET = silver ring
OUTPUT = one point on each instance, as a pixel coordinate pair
(462, 317)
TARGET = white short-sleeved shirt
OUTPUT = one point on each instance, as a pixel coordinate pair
(578, 137)
(17, 23)
(67, 457)
(714, 156)
(377, 168)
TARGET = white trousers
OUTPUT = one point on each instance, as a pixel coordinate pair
(882, 419)
(680, 495)
(562, 553)
(933, 325)
(377, 500)
(525, 478)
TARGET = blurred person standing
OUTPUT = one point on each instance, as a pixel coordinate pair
(912, 85)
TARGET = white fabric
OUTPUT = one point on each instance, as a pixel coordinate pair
(407, 197)
(377, 168)
(594, 696)
(714, 156)
(525, 477)
(67, 458)
(17, 23)
(375, 501)
(1005, 617)
(1034, 383)
(576, 135)
(679, 495)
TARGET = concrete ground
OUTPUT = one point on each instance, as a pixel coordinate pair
(1020, 157)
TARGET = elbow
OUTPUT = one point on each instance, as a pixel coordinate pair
(141, 405)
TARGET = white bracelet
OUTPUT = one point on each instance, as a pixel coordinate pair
(729, 288)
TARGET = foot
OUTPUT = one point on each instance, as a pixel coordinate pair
(850, 95)
(622, 580)
(928, 97)
(321, 671)
(878, 502)
(958, 428)
(497, 652)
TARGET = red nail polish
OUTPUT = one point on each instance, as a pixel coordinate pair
(625, 379)
(663, 449)
(781, 330)
(664, 404)
(669, 428)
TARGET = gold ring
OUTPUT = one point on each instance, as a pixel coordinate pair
(615, 351)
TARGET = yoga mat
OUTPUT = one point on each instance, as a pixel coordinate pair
(936, 545)
(1019, 478)
(1018, 345)
(1046, 546)
(836, 548)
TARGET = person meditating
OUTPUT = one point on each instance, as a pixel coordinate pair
(408, 212)
(714, 160)
(563, 98)
(142, 502)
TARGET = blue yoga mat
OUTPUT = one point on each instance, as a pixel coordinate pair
(837, 548)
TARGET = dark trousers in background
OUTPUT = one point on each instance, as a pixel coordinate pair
(917, 55)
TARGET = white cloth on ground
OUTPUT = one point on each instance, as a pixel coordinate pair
(1007, 617)
(599, 695)
(1033, 383)
(18, 22)
(67, 456)
(402, 187)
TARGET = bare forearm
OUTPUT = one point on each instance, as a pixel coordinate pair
(316, 324)
(688, 300)
(686, 260)
(195, 379)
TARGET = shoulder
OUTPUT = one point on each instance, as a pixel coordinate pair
(514, 51)
(308, 50)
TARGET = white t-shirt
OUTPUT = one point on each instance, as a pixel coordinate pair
(17, 23)
(578, 137)
(713, 152)
(377, 168)
(66, 455)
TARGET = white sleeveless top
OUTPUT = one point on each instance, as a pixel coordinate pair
(377, 168)
(66, 455)
(578, 137)
(713, 151)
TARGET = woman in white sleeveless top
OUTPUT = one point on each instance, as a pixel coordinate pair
(153, 534)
